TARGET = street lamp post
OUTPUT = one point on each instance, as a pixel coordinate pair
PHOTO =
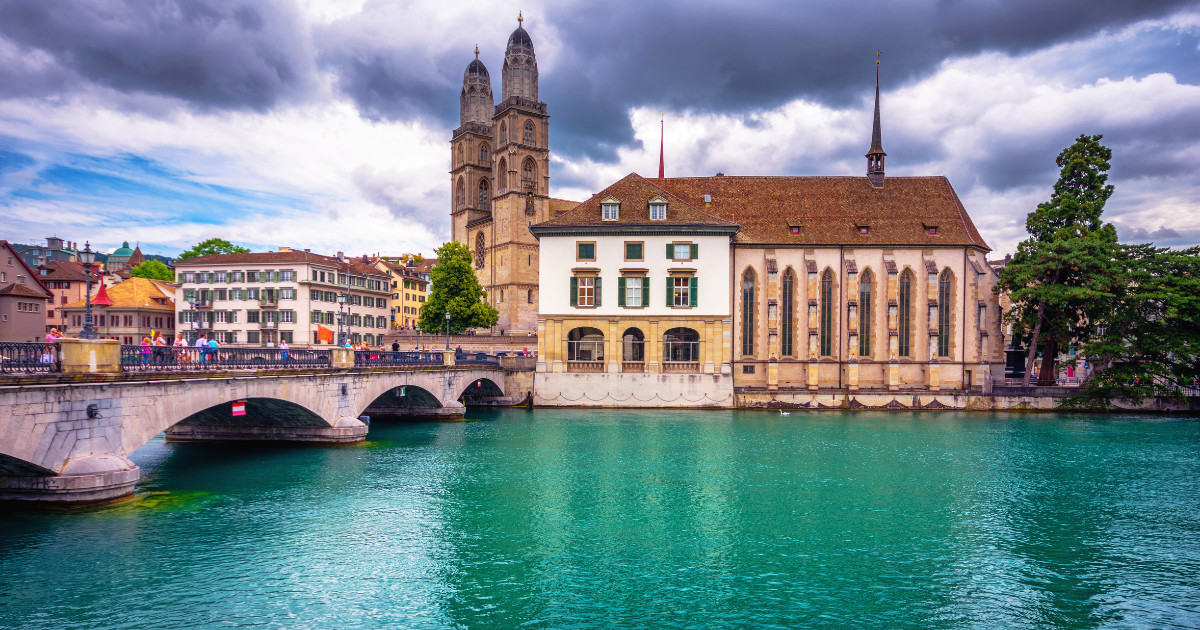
(447, 329)
(195, 321)
(341, 298)
(87, 257)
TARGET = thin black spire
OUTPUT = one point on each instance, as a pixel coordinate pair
(876, 155)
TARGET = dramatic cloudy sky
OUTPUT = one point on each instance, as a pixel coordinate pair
(325, 125)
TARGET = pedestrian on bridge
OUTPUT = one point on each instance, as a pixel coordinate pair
(202, 346)
(283, 350)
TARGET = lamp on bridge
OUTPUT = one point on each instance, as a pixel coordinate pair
(341, 298)
(87, 257)
(447, 327)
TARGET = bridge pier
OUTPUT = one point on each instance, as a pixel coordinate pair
(345, 430)
(84, 480)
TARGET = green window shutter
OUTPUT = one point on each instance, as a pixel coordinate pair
(695, 251)
(670, 300)
(597, 291)
(574, 291)
(645, 291)
(621, 291)
(693, 292)
(670, 250)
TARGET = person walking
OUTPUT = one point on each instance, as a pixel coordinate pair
(145, 351)
(202, 346)
(212, 349)
(160, 347)
(283, 350)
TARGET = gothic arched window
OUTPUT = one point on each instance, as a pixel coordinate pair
(827, 313)
(904, 308)
(502, 175)
(528, 133)
(528, 175)
(503, 132)
(944, 283)
(460, 195)
(479, 250)
(787, 297)
(865, 314)
(748, 307)
(483, 154)
(485, 200)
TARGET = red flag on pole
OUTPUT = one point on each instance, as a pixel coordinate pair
(661, 170)
(239, 407)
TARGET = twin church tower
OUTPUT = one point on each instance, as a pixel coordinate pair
(500, 180)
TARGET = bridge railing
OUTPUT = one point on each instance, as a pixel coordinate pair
(368, 358)
(192, 359)
(476, 358)
(28, 358)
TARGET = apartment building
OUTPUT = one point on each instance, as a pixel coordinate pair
(409, 291)
(127, 311)
(262, 298)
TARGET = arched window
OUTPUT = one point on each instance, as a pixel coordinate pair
(633, 346)
(866, 312)
(785, 320)
(460, 154)
(480, 250)
(748, 318)
(502, 175)
(503, 139)
(585, 344)
(904, 306)
(528, 133)
(528, 175)
(944, 299)
(680, 345)
(460, 195)
(485, 200)
(827, 313)
(483, 153)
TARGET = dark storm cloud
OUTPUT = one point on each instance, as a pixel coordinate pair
(227, 54)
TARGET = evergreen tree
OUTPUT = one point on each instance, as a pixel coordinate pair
(153, 269)
(1064, 274)
(213, 246)
(457, 290)
(1149, 344)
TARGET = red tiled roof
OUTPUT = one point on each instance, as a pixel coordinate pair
(35, 286)
(829, 210)
(21, 290)
(65, 271)
(355, 265)
(634, 193)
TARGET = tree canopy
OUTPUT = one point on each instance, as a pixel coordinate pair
(153, 269)
(1064, 274)
(455, 289)
(213, 246)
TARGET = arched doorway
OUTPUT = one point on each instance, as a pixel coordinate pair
(633, 350)
(585, 350)
(681, 350)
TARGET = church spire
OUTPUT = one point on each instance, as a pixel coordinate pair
(875, 156)
(661, 163)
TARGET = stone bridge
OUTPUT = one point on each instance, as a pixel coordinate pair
(67, 437)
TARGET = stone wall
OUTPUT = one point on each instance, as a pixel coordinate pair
(600, 389)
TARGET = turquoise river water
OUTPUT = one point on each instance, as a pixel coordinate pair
(639, 519)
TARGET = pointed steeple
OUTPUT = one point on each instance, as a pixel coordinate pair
(875, 156)
(661, 163)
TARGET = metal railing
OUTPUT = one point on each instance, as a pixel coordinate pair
(192, 359)
(367, 358)
(476, 358)
(28, 358)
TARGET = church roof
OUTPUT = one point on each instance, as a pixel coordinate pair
(123, 251)
(476, 67)
(634, 193)
(519, 37)
(830, 210)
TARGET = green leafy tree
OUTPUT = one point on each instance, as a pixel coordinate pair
(457, 290)
(1063, 276)
(213, 246)
(1149, 340)
(153, 269)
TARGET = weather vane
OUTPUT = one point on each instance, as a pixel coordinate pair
(877, 53)
(520, 19)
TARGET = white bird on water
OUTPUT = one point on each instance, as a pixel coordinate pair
(784, 413)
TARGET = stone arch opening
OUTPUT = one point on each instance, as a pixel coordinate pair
(403, 401)
(633, 345)
(479, 391)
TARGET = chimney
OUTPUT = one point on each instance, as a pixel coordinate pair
(284, 250)
(341, 256)
(307, 250)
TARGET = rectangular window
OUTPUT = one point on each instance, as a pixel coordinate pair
(681, 291)
(252, 317)
(128, 321)
(633, 292)
(658, 211)
(609, 211)
(252, 337)
(585, 251)
(633, 251)
(587, 291)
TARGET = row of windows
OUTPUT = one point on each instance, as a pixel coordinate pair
(222, 277)
(610, 209)
(866, 313)
(355, 338)
(353, 319)
(635, 251)
(679, 345)
(232, 317)
(318, 295)
(125, 321)
(29, 307)
(208, 296)
(634, 291)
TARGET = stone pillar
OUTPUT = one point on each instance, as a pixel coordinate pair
(852, 374)
(812, 375)
(893, 374)
(772, 374)
(89, 356)
(653, 347)
(341, 358)
(613, 348)
(448, 358)
(82, 480)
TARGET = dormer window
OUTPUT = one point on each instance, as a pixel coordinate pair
(864, 230)
(931, 230)
(610, 209)
(795, 229)
(658, 209)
